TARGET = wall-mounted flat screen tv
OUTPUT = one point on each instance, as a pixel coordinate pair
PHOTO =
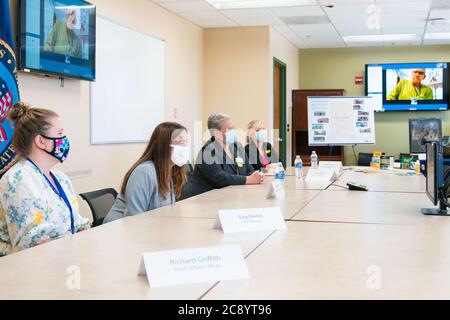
(57, 37)
(408, 86)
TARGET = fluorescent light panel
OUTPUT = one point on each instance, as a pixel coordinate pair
(382, 38)
(252, 4)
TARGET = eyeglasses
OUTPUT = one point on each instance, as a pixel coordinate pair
(419, 72)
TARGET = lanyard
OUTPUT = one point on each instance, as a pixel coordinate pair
(59, 192)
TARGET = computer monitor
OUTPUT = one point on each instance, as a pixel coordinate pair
(429, 128)
(434, 180)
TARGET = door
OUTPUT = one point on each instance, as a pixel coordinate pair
(279, 108)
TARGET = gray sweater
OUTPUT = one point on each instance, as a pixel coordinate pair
(141, 194)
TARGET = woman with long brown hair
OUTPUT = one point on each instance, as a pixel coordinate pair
(158, 176)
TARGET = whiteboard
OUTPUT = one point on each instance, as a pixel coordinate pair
(340, 121)
(127, 98)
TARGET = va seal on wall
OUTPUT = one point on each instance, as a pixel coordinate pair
(9, 95)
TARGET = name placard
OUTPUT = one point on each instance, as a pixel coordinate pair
(276, 190)
(321, 174)
(179, 267)
(248, 220)
(335, 165)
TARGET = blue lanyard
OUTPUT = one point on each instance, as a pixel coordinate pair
(59, 192)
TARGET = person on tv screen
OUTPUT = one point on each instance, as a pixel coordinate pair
(63, 39)
(409, 89)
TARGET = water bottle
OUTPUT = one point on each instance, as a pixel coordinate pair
(280, 174)
(314, 160)
(298, 165)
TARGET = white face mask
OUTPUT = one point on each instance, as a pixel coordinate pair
(180, 155)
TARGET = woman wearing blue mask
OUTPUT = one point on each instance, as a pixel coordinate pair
(157, 178)
(222, 161)
(260, 153)
(37, 204)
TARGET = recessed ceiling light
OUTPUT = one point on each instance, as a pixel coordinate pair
(251, 4)
(382, 38)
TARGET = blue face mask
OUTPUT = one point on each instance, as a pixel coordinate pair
(230, 137)
(61, 147)
(261, 135)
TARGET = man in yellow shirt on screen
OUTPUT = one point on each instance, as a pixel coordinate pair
(62, 39)
(410, 89)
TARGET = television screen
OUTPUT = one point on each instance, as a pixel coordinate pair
(408, 86)
(58, 37)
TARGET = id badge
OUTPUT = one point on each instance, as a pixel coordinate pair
(240, 162)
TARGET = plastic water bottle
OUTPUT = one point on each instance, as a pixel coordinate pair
(314, 160)
(298, 165)
(280, 174)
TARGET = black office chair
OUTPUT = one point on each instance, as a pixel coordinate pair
(100, 202)
(364, 159)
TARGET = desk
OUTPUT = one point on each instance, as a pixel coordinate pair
(380, 181)
(109, 258)
(370, 207)
(314, 258)
(237, 197)
(331, 261)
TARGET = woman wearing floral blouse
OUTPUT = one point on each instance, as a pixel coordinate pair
(37, 204)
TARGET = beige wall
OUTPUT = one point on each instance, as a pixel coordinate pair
(285, 51)
(236, 74)
(337, 68)
(104, 165)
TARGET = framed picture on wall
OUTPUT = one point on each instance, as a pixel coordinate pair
(431, 128)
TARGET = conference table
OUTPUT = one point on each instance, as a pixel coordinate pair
(338, 244)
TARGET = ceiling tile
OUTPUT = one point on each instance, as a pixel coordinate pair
(298, 11)
(438, 26)
(441, 4)
(341, 19)
(364, 44)
(326, 27)
(339, 2)
(187, 6)
(248, 13)
(204, 15)
(402, 24)
(358, 32)
(355, 9)
(403, 15)
(397, 7)
(419, 30)
(274, 21)
(216, 23)
(444, 13)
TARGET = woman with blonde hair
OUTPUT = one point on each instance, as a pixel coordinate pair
(37, 203)
(260, 153)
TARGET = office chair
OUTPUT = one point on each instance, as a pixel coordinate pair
(100, 202)
(364, 159)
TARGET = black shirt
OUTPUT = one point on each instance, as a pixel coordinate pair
(254, 157)
(214, 169)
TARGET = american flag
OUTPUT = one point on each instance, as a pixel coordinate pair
(5, 101)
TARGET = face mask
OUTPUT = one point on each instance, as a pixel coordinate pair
(261, 135)
(180, 155)
(230, 137)
(61, 147)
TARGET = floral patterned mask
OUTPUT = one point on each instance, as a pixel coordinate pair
(61, 147)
